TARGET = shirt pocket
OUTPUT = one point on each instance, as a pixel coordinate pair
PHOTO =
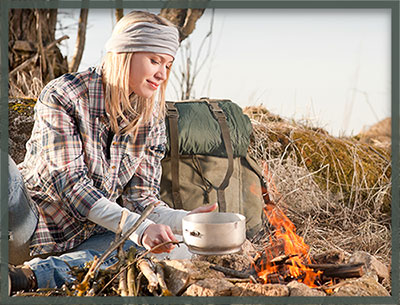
(128, 167)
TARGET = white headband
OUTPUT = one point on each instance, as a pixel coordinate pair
(145, 37)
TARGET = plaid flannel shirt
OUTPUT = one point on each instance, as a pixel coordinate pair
(66, 168)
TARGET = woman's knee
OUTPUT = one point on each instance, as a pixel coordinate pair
(22, 215)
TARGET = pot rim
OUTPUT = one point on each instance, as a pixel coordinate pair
(219, 218)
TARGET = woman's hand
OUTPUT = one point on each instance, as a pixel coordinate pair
(204, 209)
(156, 234)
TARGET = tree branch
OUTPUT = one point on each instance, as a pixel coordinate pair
(35, 57)
(80, 41)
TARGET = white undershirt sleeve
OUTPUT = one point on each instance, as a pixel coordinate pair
(108, 214)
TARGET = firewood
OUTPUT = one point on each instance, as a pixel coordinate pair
(275, 278)
(281, 259)
(145, 266)
(161, 280)
(131, 274)
(339, 270)
(232, 272)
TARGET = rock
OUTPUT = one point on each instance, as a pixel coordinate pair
(371, 264)
(20, 124)
(238, 261)
(248, 249)
(179, 274)
(209, 288)
(300, 289)
(363, 286)
(251, 289)
(329, 257)
(378, 134)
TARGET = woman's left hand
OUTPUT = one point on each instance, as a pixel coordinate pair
(204, 209)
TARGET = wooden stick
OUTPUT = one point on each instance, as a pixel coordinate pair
(123, 286)
(140, 257)
(115, 244)
(131, 272)
(281, 259)
(43, 60)
(84, 285)
(231, 272)
(161, 279)
(145, 266)
(340, 270)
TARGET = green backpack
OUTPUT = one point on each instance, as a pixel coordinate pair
(206, 160)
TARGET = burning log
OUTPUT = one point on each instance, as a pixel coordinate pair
(342, 271)
(275, 278)
(281, 259)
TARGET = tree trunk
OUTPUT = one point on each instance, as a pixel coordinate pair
(30, 32)
(119, 13)
(80, 41)
(185, 19)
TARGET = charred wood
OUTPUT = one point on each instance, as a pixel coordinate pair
(339, 270)
(232, 272)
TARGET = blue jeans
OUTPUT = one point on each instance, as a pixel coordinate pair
(52, 271)
(22, 216)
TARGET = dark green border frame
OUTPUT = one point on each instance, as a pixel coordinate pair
(5, 5)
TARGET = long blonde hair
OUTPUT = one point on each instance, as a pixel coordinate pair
(123, 108)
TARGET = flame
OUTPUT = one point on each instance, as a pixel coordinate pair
(286, 239)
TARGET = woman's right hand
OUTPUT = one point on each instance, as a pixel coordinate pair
(156, 234)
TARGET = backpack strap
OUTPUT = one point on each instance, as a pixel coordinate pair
(221, 118)
(173, 115)
(256, 168)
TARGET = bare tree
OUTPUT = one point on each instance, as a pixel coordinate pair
(80, 41)
(185, 19)
(34, 57)
(191, 65)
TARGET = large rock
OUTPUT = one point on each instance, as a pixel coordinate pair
(239, 261)
(180, 274)
(210, 288)
(20, 124)
(363, 286)
(250, 289)
(371, 264)
(301, 289)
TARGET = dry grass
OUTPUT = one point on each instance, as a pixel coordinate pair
(25, 85)
(336, 191)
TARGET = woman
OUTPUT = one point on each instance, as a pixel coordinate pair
(95, 151)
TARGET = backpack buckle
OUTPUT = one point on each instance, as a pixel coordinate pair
(172, 112)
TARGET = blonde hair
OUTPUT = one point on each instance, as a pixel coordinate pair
(123, 108)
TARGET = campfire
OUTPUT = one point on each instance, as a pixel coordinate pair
(287, 258)
(292, 264)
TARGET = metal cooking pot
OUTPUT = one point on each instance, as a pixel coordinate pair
(214, 233)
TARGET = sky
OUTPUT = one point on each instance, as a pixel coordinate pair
(330, 68)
